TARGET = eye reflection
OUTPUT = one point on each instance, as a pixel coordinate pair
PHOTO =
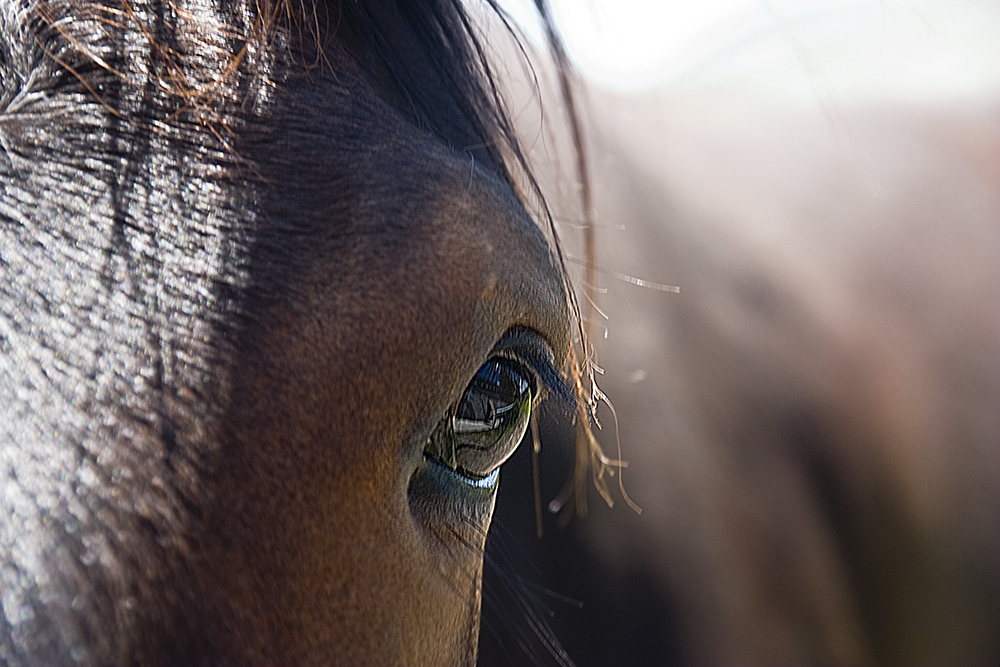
(489, 421)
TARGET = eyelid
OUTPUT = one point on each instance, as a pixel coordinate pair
(531, 350)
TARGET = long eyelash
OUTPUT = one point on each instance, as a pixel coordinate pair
(558, 386)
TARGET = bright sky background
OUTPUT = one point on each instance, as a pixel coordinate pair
(857, 48)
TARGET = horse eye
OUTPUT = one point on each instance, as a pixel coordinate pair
(487, 424)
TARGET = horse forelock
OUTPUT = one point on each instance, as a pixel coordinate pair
(202, 57)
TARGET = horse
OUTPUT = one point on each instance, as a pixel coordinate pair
(273, 313)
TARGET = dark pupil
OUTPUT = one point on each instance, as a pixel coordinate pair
(492, 399)
(489, 421)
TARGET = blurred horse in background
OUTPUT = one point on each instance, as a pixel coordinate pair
(813, 422)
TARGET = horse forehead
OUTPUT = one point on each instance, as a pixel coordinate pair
(381, 202)
(459, 227)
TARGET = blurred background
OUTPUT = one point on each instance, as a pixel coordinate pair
(812, 423)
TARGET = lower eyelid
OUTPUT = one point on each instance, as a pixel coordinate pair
(486, 482)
